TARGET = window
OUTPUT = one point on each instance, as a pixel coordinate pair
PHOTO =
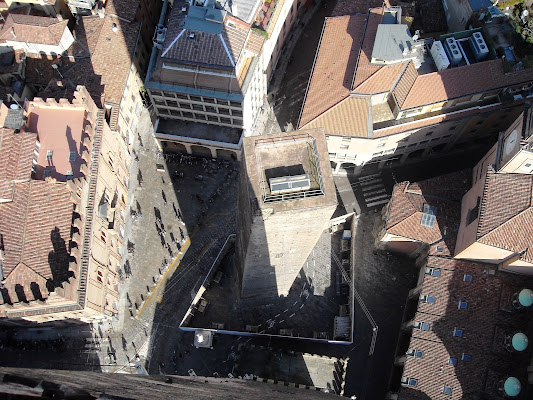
(377, 154)
(457, 332)
(381, 144)
(451, 128)
(424, 298)
(409, 381)
(429, 133)
(415, 353)
(528, 165)
(49, 155)
(452, 361)
(466, 357)
(463, 305)
(102, 236)
(429, 217)
(72, 156)
(433, 272)
(447, 390)
(70, 174)
(421, 326)
(344, 147)
(46, 173)
(467, 278)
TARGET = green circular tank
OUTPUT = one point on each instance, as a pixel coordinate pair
(512, 386)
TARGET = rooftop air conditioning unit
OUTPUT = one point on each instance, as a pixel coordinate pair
(478, 45)
(439, 56)
(452, 51)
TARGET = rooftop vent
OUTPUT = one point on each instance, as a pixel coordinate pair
(289, 184)
(191, 35)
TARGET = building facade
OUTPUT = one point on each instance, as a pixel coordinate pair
(79, 217)
(225, 86)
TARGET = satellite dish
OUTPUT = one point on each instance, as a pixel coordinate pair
(512, 386)
(525, 297)
(14, 106)
(519, 341)
(525, 13)
(415, 37)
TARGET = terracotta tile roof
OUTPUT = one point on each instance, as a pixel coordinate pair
(113, 56)
(255, 42)
(24, 284)
(33, 29)
(407, 205)
(458, 82)
(204, 48)
(402, 88)
(16, 155)
(331, 77)
(485, 321)
(36, 228)
(104, 74)
(382, 81)
(335, 121)
(122, 8)
(364, 69)
(86, 34)
(235, 36)
(506, 212)
(505, 196)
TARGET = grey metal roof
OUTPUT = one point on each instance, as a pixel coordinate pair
(390, 42)
(242, 9)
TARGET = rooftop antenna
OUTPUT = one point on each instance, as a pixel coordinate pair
(54, 66)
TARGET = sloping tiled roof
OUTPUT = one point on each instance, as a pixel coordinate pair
(205, 48)
(364, 69)
(505, 196)
(121, 8)
(255, 42)
(102, 65)
(402, 88)
(457, 82)
(484, 323)
(113, 55)
(35, 228)
(32, 29)
(86, 34)
(506, 213)
(16, 155)
(407, 205)
(341, 118)
(382, 81)
(331, 77)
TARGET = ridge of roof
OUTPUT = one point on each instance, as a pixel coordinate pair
(329, 83)
(334, 120)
